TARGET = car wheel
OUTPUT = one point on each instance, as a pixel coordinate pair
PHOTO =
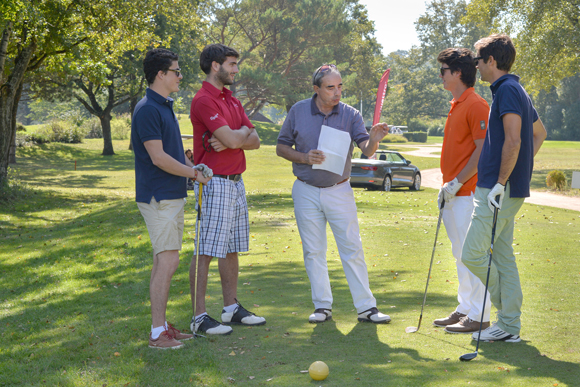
(416, 183)
(387, 183)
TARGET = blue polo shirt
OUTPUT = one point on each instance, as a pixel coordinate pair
(154, 119)
(508, 97)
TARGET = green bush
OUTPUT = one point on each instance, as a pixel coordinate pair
(121, 127)
(93, 128)
(59, 131)
(417, 126)
(13, 189)
(394, 138)
(556, 180)
(436, 130)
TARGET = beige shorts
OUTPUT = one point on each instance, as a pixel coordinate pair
(164, 222)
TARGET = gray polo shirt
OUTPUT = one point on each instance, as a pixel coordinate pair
(301, 129)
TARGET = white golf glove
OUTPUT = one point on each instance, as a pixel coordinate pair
(204, 169)
(450, 189)
(498, 189)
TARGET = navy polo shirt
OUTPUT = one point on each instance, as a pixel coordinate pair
(154, 119)
(508, 97)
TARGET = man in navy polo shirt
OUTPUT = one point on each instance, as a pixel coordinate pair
(221, 134)
(514, 136)
(161, 170)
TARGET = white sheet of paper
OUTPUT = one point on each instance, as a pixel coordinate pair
(335, 144)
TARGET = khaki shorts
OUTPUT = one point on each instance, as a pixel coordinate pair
(164, 222)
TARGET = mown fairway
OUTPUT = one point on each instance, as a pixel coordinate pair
(75, 260)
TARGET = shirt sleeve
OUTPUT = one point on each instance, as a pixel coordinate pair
(477, 119)
(148, 124)
(286, 135)
(509, 101)
(359, 132)
(210, 114)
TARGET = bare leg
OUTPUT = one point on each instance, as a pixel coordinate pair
(204, 261)
(229, 268)
(164, 265)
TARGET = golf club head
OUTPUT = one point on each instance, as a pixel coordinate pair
(468, 356)
(411, 329)
(197, 336)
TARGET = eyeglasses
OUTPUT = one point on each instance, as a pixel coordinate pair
(324, 68)
(442, 70)
(176, 71)
(477, 58)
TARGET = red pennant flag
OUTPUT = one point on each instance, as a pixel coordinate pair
(381, 92)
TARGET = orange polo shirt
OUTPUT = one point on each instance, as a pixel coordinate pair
(466, 122)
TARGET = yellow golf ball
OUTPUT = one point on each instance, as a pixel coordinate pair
(318, 370)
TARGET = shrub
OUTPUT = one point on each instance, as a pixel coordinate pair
(436, 130)
(59, 131)
(420, 136)
(121, 126)
(417, 126)
(93, 128)
(20, 127)
(394, 138)
(12, 189)
(556, 180)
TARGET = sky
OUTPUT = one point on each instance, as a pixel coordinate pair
(394, 22)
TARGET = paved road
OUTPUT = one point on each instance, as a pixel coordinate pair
(432, 178)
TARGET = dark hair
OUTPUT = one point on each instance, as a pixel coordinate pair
(215, 53)
(460, 59)
(501, 47)
(158, 59)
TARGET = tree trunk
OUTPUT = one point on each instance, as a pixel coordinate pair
(9, 97)
(107, 140)
(12, 152)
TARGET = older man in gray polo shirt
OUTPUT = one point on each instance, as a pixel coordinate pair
(321, 196)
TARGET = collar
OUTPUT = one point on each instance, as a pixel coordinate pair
(464, 96)
(494, 86)
(315, 110)
(214, 91)
(155, 96)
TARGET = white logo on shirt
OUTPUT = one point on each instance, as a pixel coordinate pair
(235, 105)
(214, 117)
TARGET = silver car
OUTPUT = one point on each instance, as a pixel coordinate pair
(388, 170)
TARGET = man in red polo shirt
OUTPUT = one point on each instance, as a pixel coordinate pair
(221, 133)
(465, 131)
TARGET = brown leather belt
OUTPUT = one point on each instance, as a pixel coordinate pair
(340, 182)
(235, 178)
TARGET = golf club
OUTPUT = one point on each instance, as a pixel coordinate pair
(473, 355)
(194, 295)
(413, 329)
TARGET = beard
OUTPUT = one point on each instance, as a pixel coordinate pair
(224, 77)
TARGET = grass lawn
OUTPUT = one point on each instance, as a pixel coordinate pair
(76, 259)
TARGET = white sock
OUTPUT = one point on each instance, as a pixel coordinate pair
(199, 316)
(155, 332)
(230, 308)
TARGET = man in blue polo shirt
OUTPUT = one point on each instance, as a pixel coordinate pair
(515, 134)
(161, 170)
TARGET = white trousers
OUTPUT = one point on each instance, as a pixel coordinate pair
(456, 218)
(313, 208)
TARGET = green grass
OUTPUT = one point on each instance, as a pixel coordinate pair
(75, 265)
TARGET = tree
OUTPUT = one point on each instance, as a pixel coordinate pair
(36, 30)
(546, 34)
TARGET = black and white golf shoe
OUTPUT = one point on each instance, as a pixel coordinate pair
(374, 316)
(242, 316)
(495, 333)
(208, 325)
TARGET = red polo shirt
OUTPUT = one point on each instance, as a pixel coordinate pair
(211, 109)
(467, 121)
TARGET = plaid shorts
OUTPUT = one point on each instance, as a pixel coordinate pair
(224, 218)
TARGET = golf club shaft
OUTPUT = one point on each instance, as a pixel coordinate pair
(197, 226)
(431, 264)
(496, 210)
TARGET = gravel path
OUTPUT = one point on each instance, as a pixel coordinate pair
(432, 178)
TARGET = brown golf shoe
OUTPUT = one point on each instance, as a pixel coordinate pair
(165, 341)
(453, 318)
(177, 334)
(466, 325)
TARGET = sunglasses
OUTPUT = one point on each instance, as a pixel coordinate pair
(176, 71)
(477, 58)
(324, 68)
(442, 70)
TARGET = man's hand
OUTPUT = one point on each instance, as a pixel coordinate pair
(204, 169)
(378, 132)
(450, 189)
(216, 144)
(315, 156)
(498, 189)
(202, 179)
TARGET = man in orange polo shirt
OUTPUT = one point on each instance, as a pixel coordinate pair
(465, 131)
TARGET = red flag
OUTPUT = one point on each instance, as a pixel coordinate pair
(381, 96)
